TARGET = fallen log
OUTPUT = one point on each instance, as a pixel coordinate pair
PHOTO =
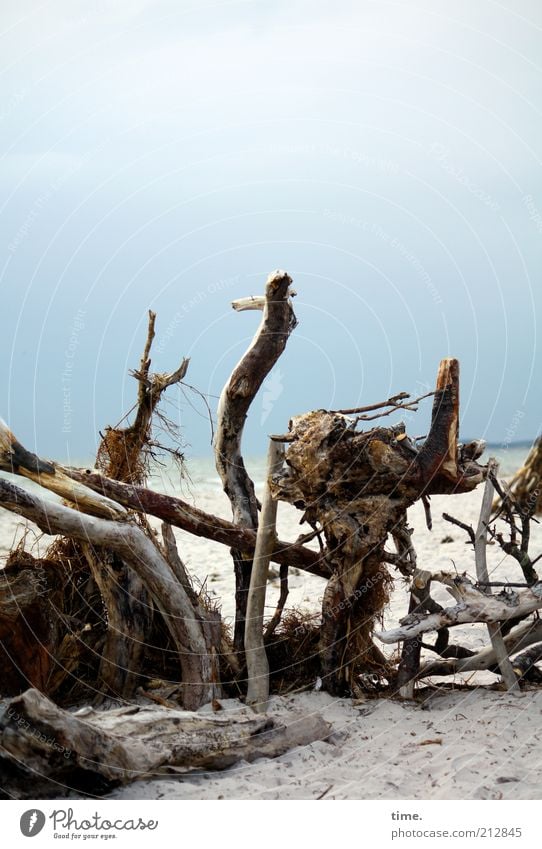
(97, 750)
(474, 606)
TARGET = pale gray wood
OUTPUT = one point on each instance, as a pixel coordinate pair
(256, 658)
(480, 553)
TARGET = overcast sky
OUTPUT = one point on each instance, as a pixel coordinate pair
(168, 155)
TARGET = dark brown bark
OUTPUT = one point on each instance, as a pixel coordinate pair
(182, 515)
(31, 601)
(246, 379)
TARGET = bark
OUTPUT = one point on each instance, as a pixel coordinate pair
(129, 621)
(40, 740)
(439, 453)
(182, 515)
(522, 636)
(246, 379)
(31, 604)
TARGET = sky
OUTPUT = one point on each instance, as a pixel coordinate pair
(169, 155)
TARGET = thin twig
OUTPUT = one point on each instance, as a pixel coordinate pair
(468, 528)
(391, 402)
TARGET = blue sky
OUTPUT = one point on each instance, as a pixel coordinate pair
(168, 155)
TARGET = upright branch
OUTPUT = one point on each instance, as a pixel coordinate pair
(358, 486)
(16, 459)
(124, 452)
(480, 552)
(277, 323)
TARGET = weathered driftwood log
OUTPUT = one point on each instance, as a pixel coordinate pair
(38, 740)
(256, 658)
(31, 603)
(277, 323)
(182, 515)
(358, 485)
(473, 606)
(519, 638)
(197, 660)
(525, 664)
(525, 487)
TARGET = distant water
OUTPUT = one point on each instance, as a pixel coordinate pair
(202, 476)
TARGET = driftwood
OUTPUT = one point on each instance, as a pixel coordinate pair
(182, 515)
(518, 639)
(357, 486)
(480, 553)
(31, 604)
(525, 487)
(125, 453)
(141, 617)
(277, 323)
(410, 656)
(473, 606)
(97, 750)
(16, 459)
(129, 620)
(256, 658)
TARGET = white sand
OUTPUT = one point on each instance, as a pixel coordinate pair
(475, 745)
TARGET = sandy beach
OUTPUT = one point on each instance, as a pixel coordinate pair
(461, 744)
